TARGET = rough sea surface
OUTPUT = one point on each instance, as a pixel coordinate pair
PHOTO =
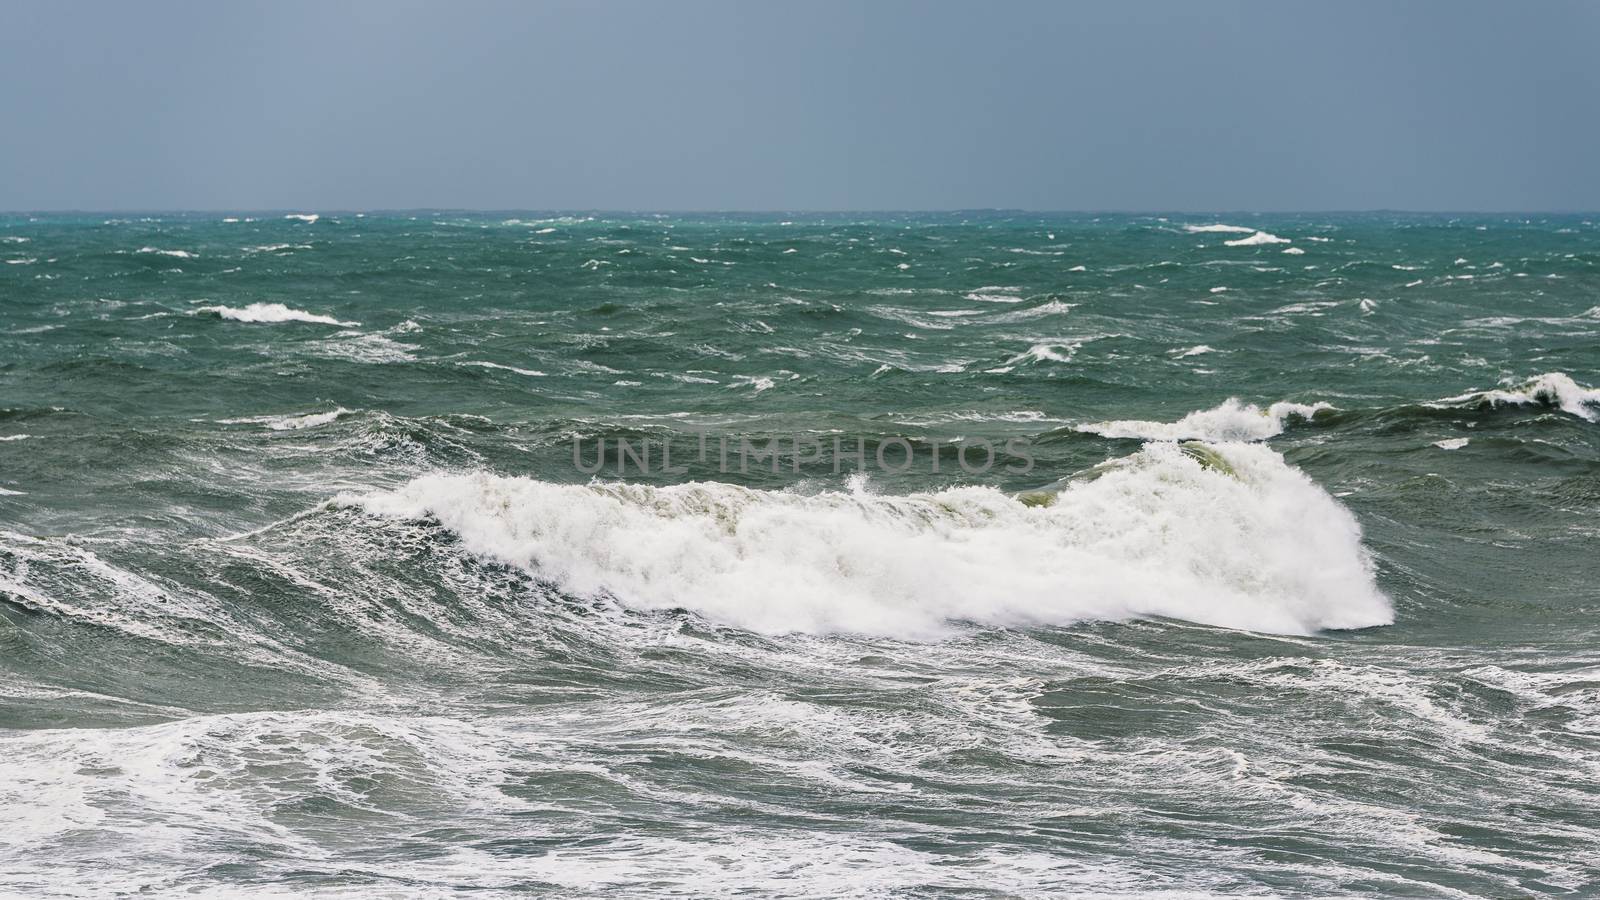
(301, 591)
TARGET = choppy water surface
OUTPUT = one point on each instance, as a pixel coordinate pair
(300, 590)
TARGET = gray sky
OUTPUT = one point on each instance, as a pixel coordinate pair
(815, 105)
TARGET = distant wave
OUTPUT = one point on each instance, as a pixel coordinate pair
(532, 373)
(271, 312)
(1257, 239)
(1217, 228)
(1228, 535)
(292, 422)
(276, 248)
(179, 254)
(1550, 389)
(1230, 421)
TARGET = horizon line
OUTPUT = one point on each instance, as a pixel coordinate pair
(598, 211)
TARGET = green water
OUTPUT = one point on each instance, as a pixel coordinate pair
(301, 590)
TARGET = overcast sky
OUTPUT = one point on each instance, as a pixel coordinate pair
(807, 105)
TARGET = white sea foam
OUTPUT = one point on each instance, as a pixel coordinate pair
(1293, 251)
(308, 218)
(295, 422)
(995, 295)
(14, 437)
(1049, 308)
(1045, 353)
(1231, 421)
(1257, 239)
(532, 373)
(759, 382)
(1260, 547)
(276, 248)
(1552, 388)
(178, 254)
(1452, 443)
(270, 313)
(365, 348)
(1218, 228)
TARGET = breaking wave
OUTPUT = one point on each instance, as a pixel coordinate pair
(1257, 239)
(272, 312)
(1226, 535)
(1218, 228)
(1230, 421)
(1555, 389)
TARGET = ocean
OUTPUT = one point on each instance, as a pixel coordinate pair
(966, 555)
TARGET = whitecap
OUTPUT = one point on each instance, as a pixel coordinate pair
(275, 248)
(1218, 229)
(293, 421)
(266, 313)
(1256, 240)
(759, 382)
(1551, 389)
(1229, 421)
(532, 373)
(1045, 353)
(1240, 541)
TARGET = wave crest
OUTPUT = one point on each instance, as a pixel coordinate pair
(1232, 537)
(1550, 389)
(271, 313)
(1230, 421)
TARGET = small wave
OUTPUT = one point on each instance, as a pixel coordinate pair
(365, 348)
(270, 313)
(1452, 443)
(177, 254)
(308, 218)
(1256, 240)
(1218, 228)
(14, 437)
(291, 422)
(1250, 544)
(759, 382)
(1230, 421)
(1045, 353)
(276, 248)
(994, 295)
(532, 373)
(1550, 389)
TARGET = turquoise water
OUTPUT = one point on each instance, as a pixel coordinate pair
(1285, 584)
